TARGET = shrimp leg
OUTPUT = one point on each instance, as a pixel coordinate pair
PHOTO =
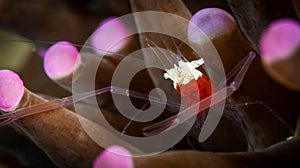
(66, 101)
(186, 114)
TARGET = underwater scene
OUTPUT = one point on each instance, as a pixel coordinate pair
(148, 83)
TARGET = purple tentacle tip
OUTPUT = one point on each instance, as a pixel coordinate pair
(61, 59)
(280, 39)
(111, 35)
(11, 90)
(211, 21)
(114, 157)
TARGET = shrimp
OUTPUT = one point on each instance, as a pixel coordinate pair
(199, 80)
(198, 84)
(198, 107)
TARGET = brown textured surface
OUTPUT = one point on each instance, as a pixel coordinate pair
(286, 72)
(284, 154)
(49, 20)
(254, 15)
(67, 146)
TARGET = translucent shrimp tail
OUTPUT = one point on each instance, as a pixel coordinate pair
(186, 114)
(63, 102)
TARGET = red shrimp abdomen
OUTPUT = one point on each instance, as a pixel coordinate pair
(191, 91)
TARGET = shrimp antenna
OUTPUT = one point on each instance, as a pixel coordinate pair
(52, 42)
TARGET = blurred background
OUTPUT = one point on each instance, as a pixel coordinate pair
(47, 21)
